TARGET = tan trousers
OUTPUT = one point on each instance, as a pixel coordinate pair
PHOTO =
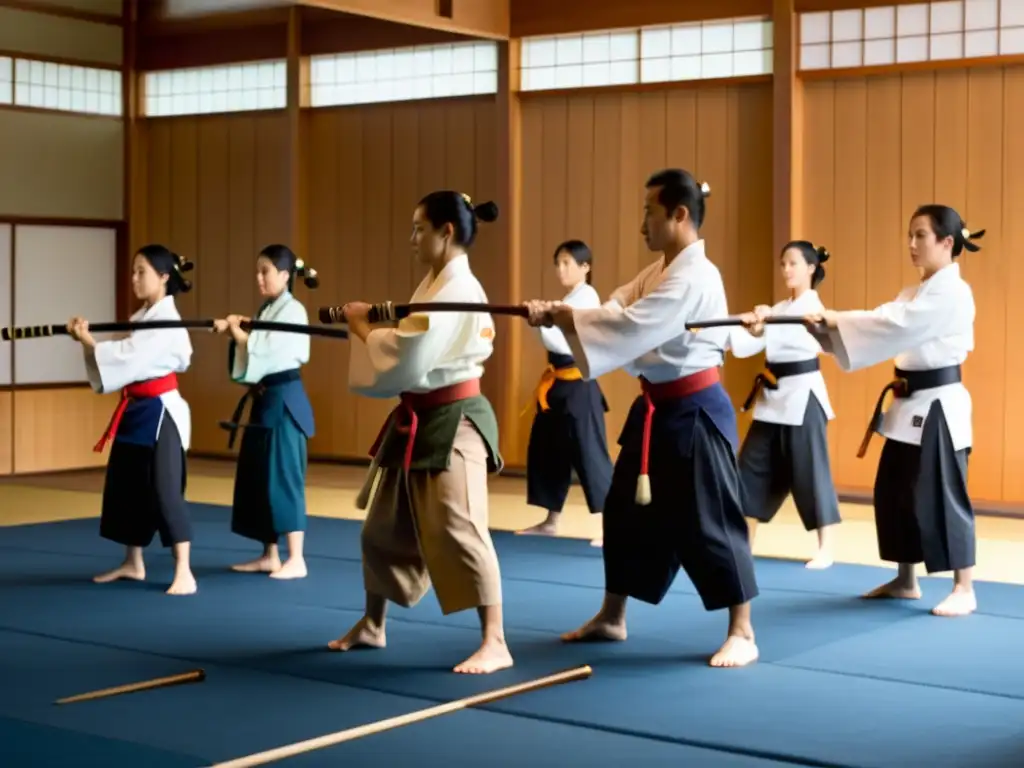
(433, 528)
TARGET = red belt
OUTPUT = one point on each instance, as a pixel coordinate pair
(659, 393)
(413, 402)
(141, 390)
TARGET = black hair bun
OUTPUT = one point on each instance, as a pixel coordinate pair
(823, 254)
(186, 266)
(486, 211)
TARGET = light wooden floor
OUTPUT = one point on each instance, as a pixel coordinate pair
(331, 492)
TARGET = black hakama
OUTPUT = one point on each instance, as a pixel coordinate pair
(695, 517)
(923, 513)
(777, 460)
(144, 491)
(569, 436)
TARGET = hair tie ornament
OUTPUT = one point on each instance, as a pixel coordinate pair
(823, 254)
(467, 198)
(705, 189)
(968, 236)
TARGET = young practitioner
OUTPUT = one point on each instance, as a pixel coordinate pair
(270, 482)
(922, 510)
(151, 429)
(786, 448)
(675, 497)
(568, 430)
(428, 520)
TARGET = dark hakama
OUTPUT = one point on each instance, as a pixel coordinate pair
(779, 459)
(923, 513)
(270, 477)
(569, 436)
(144, 492)
(695, 518)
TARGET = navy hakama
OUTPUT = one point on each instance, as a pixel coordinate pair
(270, 478)
(569, 435)
(695, 518)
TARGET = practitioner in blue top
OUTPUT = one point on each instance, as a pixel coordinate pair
(270, 482)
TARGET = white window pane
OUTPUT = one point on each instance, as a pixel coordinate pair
(485, 82)
(981, 14)
(846, 55)
(596, 48)
(716, 65)
(542, 78)
(685, 68)
(911, 21)
(1011, 14)
(463, 58)
(686, 40)
(981, 43)
(385, 65)
(569, 50)
(625, 46)
(597, 74)
(716, 37)
(1011, 41)
(879, 52)
(814, 56)
(655, 43)
(879, 23)
(752, 36)
(6, 92)
(656, 70)
(814, 28)
(624, 72)
(948, 46)
(540, 53)
(912, 48)
(847, 25)
(569, 77)
(946, 17)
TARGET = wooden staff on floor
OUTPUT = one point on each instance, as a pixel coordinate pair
(301, 747)
(195, 676)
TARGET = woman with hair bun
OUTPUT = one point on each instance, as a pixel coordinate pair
(786, 448)
(270, 481)
(144, 490)
(428, 520)
(922, 510)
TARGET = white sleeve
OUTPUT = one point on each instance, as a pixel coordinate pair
(864, 338)
(113, 365)
(611, 336)
(263, 351)
(745, 344)
(394, 360)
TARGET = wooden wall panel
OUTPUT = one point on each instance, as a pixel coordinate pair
(6, 432)
(371, 164)
(877, 147)
(585, 160)
(217, 192)
(78, 415)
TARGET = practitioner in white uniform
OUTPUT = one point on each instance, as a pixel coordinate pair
(568, 431)
(786, 448)
(922, 510)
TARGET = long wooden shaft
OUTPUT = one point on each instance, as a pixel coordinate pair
(195, 676)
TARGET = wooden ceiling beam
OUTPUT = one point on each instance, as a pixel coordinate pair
(478, 18)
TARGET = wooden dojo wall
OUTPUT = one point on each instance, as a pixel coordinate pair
(876, 148)
(867, 147)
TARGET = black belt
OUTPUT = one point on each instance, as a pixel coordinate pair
(778, 371)
(254, 391)
(904, 384)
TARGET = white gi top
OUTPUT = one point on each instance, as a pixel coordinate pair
(930, 325)
(581, 297)
(642, 328)
(786, 344)
(268, 352)
(144, 355)
(429, 350)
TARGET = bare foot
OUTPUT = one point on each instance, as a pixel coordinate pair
(362, 635)
(820, 562)
(541, 529)
(598, 629)
(737, 651)
(128, 570)
(961, 602)
(490, 657)
(598, 542)
(265, 564)
(897, 589)
(183, 584)
(294, 568)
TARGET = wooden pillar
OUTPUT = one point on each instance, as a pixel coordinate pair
(132, 230)
(298, 97)
(787, 131)
(510, 330)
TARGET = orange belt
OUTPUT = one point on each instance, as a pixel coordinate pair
(548, 379)
(413, 402)
(139, 391)
(654, 393)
